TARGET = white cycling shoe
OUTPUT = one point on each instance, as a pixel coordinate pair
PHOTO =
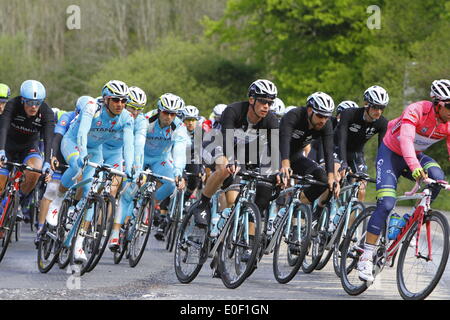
(52, 216)
(79, 255)
(365, 269)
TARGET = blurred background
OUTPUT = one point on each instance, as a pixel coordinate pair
(209, 51)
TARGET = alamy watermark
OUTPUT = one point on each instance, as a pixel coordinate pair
(374, 21)
(73, 21)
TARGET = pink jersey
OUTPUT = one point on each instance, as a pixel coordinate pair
(415, 131)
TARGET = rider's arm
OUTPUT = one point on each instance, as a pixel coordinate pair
(140, 133)
(181, 142)
(410, 120)
(287, 125)
(227, 121)
(328, 146)
(128, 143)
(5, 121)
(342, 135)
(448, 146)
(86, 115)
(383, 123)
(48, 121)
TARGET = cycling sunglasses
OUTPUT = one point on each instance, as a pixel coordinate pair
(377, 106)
(168, 113)
(446, 104)
(265, 101)
(31, 102)
(117, 100)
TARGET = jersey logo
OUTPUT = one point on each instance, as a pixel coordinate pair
(112, 124)
(63, 123)
(99, 123)
(424, 130)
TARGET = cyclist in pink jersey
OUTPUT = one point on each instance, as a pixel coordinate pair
(421, 124)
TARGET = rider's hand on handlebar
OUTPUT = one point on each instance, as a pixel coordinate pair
(54, 163)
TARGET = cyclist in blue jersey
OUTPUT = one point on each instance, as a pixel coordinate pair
(137, 100)
(96, 124)
(57, 159)
(165, 149)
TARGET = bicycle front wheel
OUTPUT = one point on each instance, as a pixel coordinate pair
(237, 254)
(418, 275)
(290, 251)
(141, 231)
(9, 223)
(316, 246)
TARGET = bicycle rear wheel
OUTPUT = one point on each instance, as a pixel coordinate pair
(417, 276)
(110, 206)
(352, 249)
(48, 249)
(191, 250)
(141, 231)
(289, 253)
(123, 243)
(64, 226)
(8, 225)
(357, 209)
(317, 244)
(175, 226)
(238, 256)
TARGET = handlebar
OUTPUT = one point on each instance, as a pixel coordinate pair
(361, 176)
(441, 183)
(106, 168)
(22, 167)
(149, 173)
(309, 179)
(247, 175)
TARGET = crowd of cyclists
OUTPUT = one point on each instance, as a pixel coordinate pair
(198, 157)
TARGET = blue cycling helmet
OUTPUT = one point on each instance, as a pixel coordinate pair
(81, 102)
(32, 90)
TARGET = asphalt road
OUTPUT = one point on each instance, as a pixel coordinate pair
(154, 278)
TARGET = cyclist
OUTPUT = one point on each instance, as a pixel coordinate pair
(246, 119)
(278, 108)
(165, 150)
(216, 114)
(5, 93)
(344, 105)
(356, 127)
(421, 124)
(289, 109)
(297, 130)
(57, 159)
(96, 124)
(137, 100)
(193, 166)
(23, 121)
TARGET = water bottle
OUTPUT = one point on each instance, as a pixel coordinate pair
(335, 218)
(395, 221)
(272, 216)
(220, 222)
(279, 217)
(214, 220)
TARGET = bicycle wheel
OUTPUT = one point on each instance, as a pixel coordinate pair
(357, 209)
(237, 256)
(48, 249)
(141, 231)
(93, 234)
(123, 243)
(64, 225)
(17, 230)
(176, 223)
(169, 231)
(110, 206)
(352, 249)
(417, 276)
(191, 250)
(288, 253)
(317, 244)
(8, 225)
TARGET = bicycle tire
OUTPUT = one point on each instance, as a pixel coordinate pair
(175, 227)
(301, 211)
(350, 242)
(316, 244)
(46, 246)
(110, 202)
(63, 230)
(337, 246)
(235, 253)
(404, 289)
(17, 230)
(123, 244)
(142, 226)
(169, 230)
(8, 225)
(186, 240)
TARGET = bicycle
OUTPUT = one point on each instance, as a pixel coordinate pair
(134, 234)
(410, 255)
(175, 216)
(11, 206)
(240, 233)
(334, 223)
(292, 234)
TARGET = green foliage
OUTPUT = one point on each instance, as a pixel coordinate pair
(195, 71)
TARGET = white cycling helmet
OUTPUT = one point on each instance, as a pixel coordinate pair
(346, 105)
(440, 90)
(191, 112)
(115, 89)
(262, 89)
(218, 109)
(321, 103)
(170, 103)
(137, 98)
(55, 110)
(376, 95)
(278, 107)
(289, 109)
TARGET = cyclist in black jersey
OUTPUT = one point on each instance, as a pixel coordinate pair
(358, 125)
(297, 129)
(23, 121)
(246, 121)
